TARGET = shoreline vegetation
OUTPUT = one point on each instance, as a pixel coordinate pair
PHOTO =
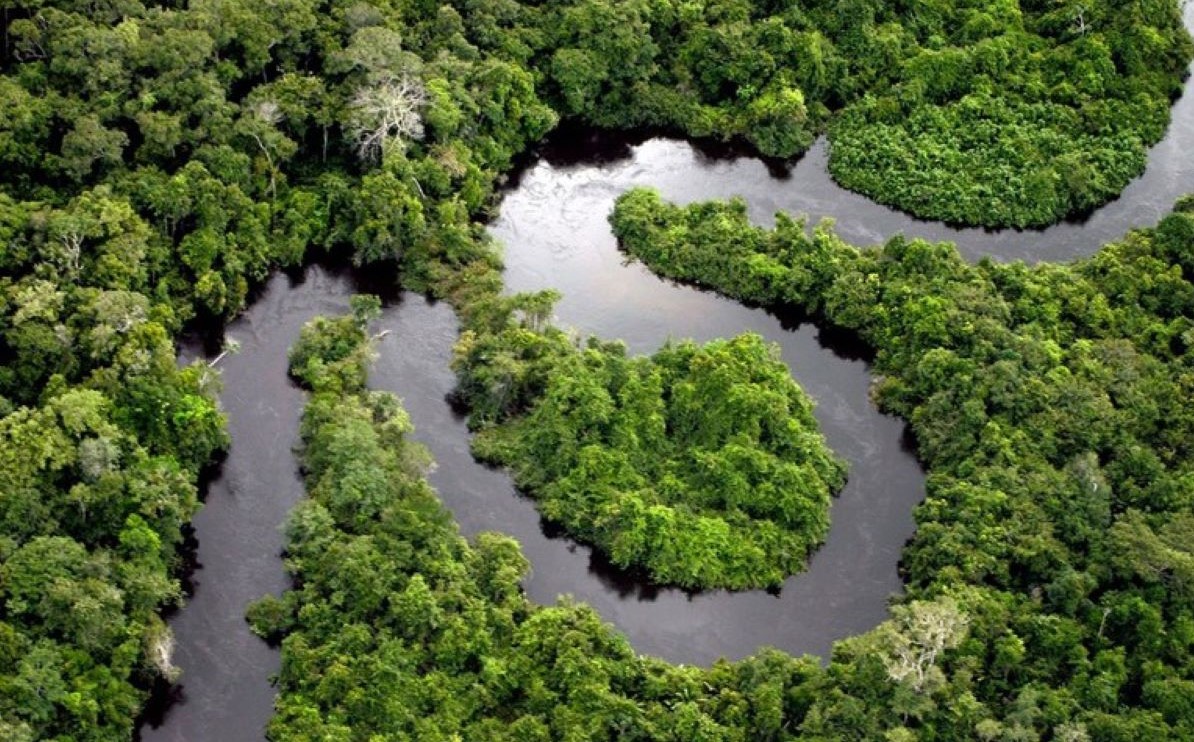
(400, 627)
(160, 159)
(1050, 407)
(701, 465)
(1048, 570)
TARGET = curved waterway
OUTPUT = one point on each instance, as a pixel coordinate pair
(685, 172)
(553, 223)
(224, 693)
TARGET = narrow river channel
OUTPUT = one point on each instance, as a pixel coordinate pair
(553, 224)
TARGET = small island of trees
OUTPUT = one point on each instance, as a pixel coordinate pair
(159, 159)
(701, 464)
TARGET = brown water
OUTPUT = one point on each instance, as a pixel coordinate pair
(553, 223)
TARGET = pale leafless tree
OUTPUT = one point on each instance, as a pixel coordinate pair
(270, 114)
(916, 637)
(231, 347)
(1080, 19)
(72, 251)
(385, 113)
(161, 652)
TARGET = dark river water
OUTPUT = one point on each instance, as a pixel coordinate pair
(553, 224)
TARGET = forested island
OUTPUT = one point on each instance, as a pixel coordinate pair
(159, 160)
(701, 464)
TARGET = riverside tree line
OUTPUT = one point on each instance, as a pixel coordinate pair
(158, 159)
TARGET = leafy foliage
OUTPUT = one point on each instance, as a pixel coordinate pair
(1051, 406)
(400, 627)
(701, 464)
(1006, 114)
(159, 159)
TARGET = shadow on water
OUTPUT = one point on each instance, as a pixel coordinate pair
(553, 223)
(234, 554)
(556, 233)
(574, 144)
(686, 172)
(632, 583)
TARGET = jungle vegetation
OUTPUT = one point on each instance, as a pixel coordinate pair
(401, 629)
(701, 465)
(1048, 584)
(1051, 407)
(158, 159)
(1008, 114)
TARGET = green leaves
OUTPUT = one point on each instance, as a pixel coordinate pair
(158, 161)
(333, 354)
(701, 464)
(1036, 395)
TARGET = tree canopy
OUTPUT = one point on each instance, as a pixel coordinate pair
(700, 464)
(1050, 405)
(158, 159)
(1047, 582)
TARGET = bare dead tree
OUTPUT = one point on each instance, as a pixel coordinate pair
(72, 251)
(1080, 19)
(231, 347)
(917, 635)
(270, 114)
(385, 113)
(161, 653)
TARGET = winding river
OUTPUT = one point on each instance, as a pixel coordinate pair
(553, 223)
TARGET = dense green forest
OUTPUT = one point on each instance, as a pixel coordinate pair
(1048, 584)
(1009, 114)
(1051, 405)
(157, 160)
(401, 629)
(700, 464)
